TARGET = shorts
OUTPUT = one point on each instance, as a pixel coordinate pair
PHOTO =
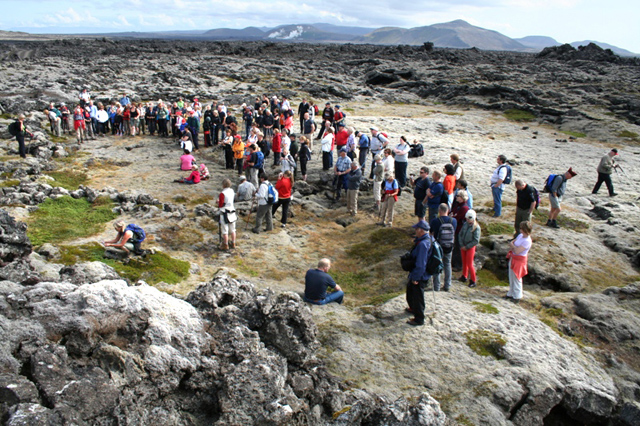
(420, 209)
(226, 228)
(135, 122)
(78, 124)
(555, 201)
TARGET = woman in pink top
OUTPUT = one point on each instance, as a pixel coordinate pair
(519, 249)
(186, 160)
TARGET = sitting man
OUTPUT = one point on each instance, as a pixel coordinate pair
(246, 190)
(316, 282)
(129, 238)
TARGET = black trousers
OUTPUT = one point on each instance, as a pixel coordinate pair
(303, 167)
(326, 160)
(606, 178)
(362, 158)
(21, 147)
(415, 299)
(228, 157)
(284, 202)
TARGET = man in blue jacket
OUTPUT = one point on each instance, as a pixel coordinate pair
(418, 277)
(434, 194)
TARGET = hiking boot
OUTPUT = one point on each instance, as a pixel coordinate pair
(232, 244)
(462, 279)
(613, 194)
(224, 246)
(554, 224)
(414, 323)
(548, 222)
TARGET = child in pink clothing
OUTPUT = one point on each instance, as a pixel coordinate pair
(193, 178)
(186, 161)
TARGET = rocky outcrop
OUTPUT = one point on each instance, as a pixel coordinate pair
(14, 243)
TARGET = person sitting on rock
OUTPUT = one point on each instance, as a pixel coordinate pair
(129, 238)
(187, 160)
(193, 178)
(316, 282)
(246, 190)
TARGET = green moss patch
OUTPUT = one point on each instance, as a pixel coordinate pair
(68, 179)
(10, 182)
(67, 218)
(519, 115)
(485, 308)
(154, 268)
(627, 134)
(485, 343)
(496, 228)
(381, 242)
(575, 134)
(487, 278)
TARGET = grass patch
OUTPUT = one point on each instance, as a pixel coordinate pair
(58, 139)
(242, 267)
(485, 308)
(67, 218)
(180, 238)
(540, 217)
(496, 228)
(68, 179)
(8, 183)
(519, 115)
(154, 268)
(381, 242)
(574, 134)
(488, 278)
(485, 343)
(464, 420)
(627, 134)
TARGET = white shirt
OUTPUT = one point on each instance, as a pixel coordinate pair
(520, 241)
(499, 173)
(388, 163)
(186, 144)
(286, 143)
(229, 195)
(263, 193)
(102, 116)
(326, 142)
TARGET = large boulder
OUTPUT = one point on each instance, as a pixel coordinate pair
(14, 243)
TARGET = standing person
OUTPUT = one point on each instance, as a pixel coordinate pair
(276, 147)
(457, 167)
(377, 143)
(303, 109)
(461, 185)
(288, 162)
(238, 153)
(308, 129)
(247, 117)
(327, 150)
(20, 132)
(525, 203)
(389, 199)
(420, 187)
(78, 123)
(469, 238)
(418, 277)
(342, 136)
(283, 186)
(459, 210)
(434, 194)
(605, 168)
(443, 230)
(304, 156)
(327, 119)
(255, 164)
(194, 127)
(378, 178)
(558, 187)
(103, 118)
(351, 144)
(518, 251)
(135, 119)
(449, 183)
(228, 217)
(401, 162)
(387, 161)
(227, 146)
(497, 184)
(354, 177)
(264, 208)
(54, 120)
(363, 147)
(316, 282)
(343, 166)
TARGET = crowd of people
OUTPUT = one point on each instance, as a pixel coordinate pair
(443, 202)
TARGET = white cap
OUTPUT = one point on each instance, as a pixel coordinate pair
(471, 214)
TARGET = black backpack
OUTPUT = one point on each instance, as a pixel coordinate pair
(446, 235)
(14, 128)
(417, 150)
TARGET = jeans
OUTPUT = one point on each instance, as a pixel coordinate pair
(336, 296)
(433, 212)
(497, 200)
(446, 261)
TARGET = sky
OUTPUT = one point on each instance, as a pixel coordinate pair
(615, 22)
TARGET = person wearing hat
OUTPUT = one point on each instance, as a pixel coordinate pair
(377, 144)
(558, 187)
(418, 277)
(605, 168)
(246, 190)
(469, 238)
(341, 169)
(389, 199)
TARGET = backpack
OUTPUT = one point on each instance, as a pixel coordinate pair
(435, 264)
(507, 178)
(446, 235)
(260, 160)
(316, 110)
(14, 128)
(548, 183)
(417, 150)
(444, 198)
(536, 196)
(272, 195)
(407, 261)
(138, 233)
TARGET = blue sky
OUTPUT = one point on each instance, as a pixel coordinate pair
(614, 21)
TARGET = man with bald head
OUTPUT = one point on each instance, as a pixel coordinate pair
(316, 283)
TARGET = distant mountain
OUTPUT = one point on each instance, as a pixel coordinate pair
(616, 50)
(457, 34)
(305, 32)
(537, 42)
(230, 33)
(356, 31)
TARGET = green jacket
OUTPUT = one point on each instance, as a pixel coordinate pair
(467, 237)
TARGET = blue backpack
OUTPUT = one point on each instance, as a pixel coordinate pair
(548, 183)
(507, 178)
(272, 195)
(260, 160)
(138, 233)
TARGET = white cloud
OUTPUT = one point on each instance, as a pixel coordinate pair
(70, 16)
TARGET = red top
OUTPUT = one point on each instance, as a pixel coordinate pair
(276, 143)
(194, 176)
(342, 137)
(284, 187)
(458, 212)
(221, 200)
(449, 184)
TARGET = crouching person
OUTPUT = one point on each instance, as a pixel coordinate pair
(316, 283)
(129, 238)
